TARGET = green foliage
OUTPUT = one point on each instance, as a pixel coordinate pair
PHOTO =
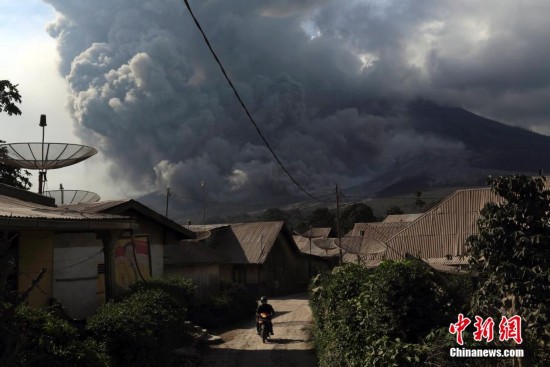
(356, 213)
(511, 254)
(321, 217)
(419, 203)
(404, 300)
(48, 341)
(381, 316)
(142, 329)
(234, 303)
(275, 214)
(13, 176)
(179, 288)
(9, 96)
(394, 209)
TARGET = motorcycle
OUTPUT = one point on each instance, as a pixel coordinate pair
(264, 320)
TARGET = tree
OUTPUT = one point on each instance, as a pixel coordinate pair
(356, 213)
(9, 299)
(275, 214)
(9, 96)
(419, 202)
(394, 210)
(321, 217)
(511, 254)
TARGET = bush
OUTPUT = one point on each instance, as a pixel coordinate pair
(142, 329)
(181, 289)
(46, 340)
(404, 300)
(379, 316)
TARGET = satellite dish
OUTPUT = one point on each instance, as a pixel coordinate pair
(72, 196)
(325, 243)
(362, 245)
(202, 235)
(44, 156)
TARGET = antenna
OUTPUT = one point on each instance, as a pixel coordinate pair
(44, 156)
(63, 196)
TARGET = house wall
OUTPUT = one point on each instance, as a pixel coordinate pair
(226, 273)
(77, 284)
(158, 236)
(36, 253)
(284, 270)
(206, 277)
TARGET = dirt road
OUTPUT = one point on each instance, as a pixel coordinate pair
(289, 346)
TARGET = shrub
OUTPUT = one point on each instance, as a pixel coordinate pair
(379, 316)
(46, 340)
(402, 299)
(142, 329)
(181, 289)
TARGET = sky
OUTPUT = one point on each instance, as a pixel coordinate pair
(328, 83)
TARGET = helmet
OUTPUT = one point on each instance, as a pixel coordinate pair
(263, 299)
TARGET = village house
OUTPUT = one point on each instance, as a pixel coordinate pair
(67, 252)
(159, 230)
(197, 261)
(437, 236)
(262, 256)
(367, 240)
(89, 252)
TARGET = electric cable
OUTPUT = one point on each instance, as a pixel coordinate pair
(244, 106)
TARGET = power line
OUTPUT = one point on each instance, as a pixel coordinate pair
(244, 106)
(242, 205)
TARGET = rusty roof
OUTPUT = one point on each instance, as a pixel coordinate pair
(442, 231)
(15, 212)
(97, 207)
(379, 231)
(248, 243)
(402, 218)
(122, 207)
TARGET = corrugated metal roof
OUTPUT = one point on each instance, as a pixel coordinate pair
(379, 231)
(123, 206)
(197, 228)
(96, 207)
(192, 252)
(15, 208)
(443, 230)
(402, 218)
(246, 243)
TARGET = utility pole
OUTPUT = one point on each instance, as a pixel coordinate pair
(338, 224)
(167, 198)
(309, 235)
(203, 203)
(42, 171)
(62, 198)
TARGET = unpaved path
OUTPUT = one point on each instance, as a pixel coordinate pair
(290, 346)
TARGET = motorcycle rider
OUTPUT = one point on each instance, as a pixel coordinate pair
(265, 308)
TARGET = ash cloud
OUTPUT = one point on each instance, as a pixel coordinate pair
(316, 76)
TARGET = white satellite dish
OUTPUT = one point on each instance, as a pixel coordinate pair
(44, 156)
(72, 196)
